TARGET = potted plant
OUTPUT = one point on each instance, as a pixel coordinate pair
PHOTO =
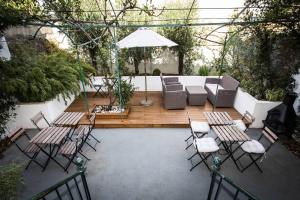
(119, 95)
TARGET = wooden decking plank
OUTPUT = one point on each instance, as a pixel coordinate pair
(153, 116)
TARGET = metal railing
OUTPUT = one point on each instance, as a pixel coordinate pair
(74, 187)
(223, 182)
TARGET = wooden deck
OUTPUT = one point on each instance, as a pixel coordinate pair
(153, 116)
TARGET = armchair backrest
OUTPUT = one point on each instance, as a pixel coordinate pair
(170, 80)
(227, 82)
(177, 87)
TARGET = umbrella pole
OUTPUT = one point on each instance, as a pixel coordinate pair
(145, 68)
(145, 102)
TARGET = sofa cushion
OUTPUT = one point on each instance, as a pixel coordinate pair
(213, 87)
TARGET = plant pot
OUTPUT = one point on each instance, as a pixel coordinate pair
(110, 115)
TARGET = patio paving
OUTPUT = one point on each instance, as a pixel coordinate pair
(150, 163)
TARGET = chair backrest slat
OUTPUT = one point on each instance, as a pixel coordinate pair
(272, 137)
(248, 119)
(37, 118)
(15, 134)
(92, 119)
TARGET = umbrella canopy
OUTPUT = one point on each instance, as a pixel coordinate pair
(144, 37)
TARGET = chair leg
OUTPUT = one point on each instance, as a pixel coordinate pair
(188, 138)
(95, 138)
(253, 161)
(188, 146)
(240, 156)
(192, 156)
(203, 159)
(32, 159)
(86, 142)
(84, 155)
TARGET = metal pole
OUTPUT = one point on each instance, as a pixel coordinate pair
(146, 93)
(85, 100)
(117, 68)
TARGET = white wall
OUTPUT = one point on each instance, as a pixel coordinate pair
(259, 109)
(4, 50)
(51, 110)
(244, 102)
(154, 83)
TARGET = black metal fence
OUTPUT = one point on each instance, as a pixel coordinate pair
(226, 189)
(74, 187)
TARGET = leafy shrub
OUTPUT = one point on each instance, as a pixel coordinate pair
(203, 71)
(7, 105)
(156, 72)
(276, 94)
(10, 181)
(40, 74)
(127, 90)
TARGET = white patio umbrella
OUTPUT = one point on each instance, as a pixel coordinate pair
(144, 37)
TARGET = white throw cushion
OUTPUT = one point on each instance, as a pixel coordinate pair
(240, 124)
(206, 145)
(213, 87)
(253, 146)
(200, 127)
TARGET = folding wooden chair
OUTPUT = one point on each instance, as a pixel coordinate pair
(70, 149)
(255, 150)
(29, 150)
(87, 131)
(198, 130)
(37, 118)
(205, 147)
(244, 123)
(97, 86)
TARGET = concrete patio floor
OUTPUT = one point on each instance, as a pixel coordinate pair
(150, 163)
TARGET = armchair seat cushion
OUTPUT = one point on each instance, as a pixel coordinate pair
(253, 146)
(213, 87)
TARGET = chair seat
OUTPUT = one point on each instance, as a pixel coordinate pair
(32, 148)
(68, 148)
(84, 128)
(213, 87)
(240, 124)
(206, 145)
(253, 146)
(200, 127)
